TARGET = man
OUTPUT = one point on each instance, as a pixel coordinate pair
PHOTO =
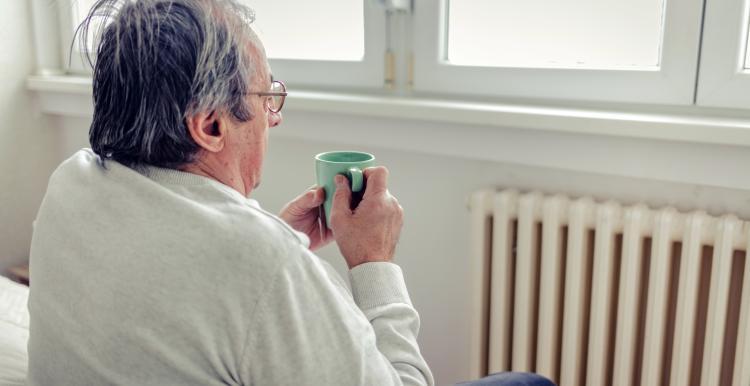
(152, 266)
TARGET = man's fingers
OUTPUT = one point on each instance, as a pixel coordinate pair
(313, 197)
(377, 181)
(318, 196)
(342, 199)
(310, 199)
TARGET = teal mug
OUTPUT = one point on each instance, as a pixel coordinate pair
(347, 163)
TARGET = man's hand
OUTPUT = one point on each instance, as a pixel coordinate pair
(302, 214)
(371, 231)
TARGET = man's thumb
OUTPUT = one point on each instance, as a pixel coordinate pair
(342, 199)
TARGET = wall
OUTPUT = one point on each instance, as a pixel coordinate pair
(433, 189)
(27, 145)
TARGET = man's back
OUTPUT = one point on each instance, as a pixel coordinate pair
(138, 280)
(164, 277)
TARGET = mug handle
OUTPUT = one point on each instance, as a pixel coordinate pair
(356, 178)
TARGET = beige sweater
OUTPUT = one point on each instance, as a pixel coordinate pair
(160, 277)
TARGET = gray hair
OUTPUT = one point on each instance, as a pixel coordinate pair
(159, 62)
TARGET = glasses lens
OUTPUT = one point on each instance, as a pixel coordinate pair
(277, 100)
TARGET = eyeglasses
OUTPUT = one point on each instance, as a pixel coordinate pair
(276, 96)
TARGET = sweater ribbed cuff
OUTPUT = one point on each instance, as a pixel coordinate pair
(376, 284)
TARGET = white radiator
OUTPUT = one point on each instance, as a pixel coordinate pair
(600, 294)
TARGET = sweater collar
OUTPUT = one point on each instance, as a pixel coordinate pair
(178, 177)
(172, 176)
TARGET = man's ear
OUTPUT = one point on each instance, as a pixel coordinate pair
(207, 130)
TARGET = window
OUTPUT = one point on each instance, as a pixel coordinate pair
(636, 51)
(303, 35)
(603, 50)
(334, 43)
(605, 34)
(326, 43)
(724, 79)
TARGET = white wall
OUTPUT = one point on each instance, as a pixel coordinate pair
(26, 142)
(433, 189)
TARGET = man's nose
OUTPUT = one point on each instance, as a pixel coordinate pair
(274, 119)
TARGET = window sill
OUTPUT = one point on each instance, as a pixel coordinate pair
(71, 96)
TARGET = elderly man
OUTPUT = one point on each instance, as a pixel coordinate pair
(151, 265)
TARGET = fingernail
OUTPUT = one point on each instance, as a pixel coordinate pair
(339, 179)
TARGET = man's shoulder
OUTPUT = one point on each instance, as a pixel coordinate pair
(85, 170)
(80, 163)
(259, 239)
(249, 227)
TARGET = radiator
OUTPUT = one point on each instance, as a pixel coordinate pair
(597, 294)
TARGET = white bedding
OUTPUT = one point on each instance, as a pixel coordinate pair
(14, 332)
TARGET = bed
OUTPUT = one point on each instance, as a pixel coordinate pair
(14, 332)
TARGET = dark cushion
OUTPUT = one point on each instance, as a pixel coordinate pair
(510, 379)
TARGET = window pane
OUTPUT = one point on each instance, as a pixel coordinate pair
(313, 30)
(555, 33)
(79, 11)
(294, 29)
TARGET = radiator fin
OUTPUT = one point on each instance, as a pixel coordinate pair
(601, 293)
(718, 301)
(629, 297)
(524, 320)
(575, 307)
(687, 300)
(742, 357)
(656, 309)
(501, 296)
(550, 308)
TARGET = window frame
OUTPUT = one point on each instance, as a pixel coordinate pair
(672, 83)
(723, 79)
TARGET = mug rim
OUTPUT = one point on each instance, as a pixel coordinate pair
(319, 155)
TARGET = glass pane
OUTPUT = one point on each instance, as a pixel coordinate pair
(555, 33)
(313, 30)
(294, 29)
(79, 12)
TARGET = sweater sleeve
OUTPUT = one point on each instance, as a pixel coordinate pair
(380, 292)
(308, 330)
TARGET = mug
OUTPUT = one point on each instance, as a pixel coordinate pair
(348, 163)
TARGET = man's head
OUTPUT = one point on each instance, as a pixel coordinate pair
(173, 82)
